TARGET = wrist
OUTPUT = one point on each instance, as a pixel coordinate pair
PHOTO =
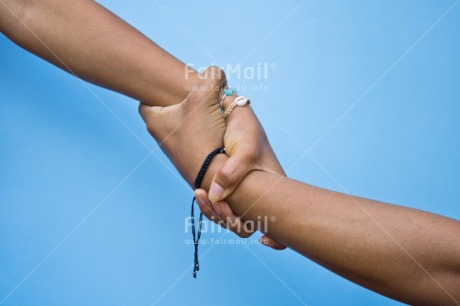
(191, 169)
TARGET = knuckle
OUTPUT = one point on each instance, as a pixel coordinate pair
(239, 234)
(227, 176)
(252, 155)
(244, 234)
(216, 72)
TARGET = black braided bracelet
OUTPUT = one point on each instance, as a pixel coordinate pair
(199, 179)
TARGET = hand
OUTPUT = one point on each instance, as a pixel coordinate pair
(249, 149)
(187, 132)
(228, 220)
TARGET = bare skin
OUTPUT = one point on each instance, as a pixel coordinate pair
(326, 226)
(84, 38)
(87, 40)
(405, 254)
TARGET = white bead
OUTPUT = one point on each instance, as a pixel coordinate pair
(242, 101)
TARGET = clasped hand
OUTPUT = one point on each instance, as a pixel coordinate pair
(187, 132)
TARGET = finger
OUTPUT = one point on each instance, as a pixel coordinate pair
(214, 72)
(160, 120)
(208, 89)
(236, 224)
(270, 242)
(150, 116)
(233, 223)
(146, 111)
(228, 177)
(205, 205)
(226, 218)
(202, 195)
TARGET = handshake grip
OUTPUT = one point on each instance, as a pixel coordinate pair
(188, 131)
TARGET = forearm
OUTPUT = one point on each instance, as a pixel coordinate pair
(406, 254)
(89, 41)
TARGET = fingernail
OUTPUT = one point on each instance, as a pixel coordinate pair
(266, 242)
(215, 192)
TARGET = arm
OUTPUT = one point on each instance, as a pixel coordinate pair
(87, 40)
(403, 253)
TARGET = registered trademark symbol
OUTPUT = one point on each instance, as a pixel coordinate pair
(273, 219)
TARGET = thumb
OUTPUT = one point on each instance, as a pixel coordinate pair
(159, 120)
(229, 176)
(147, 111)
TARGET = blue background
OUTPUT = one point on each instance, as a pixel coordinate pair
(361, 97)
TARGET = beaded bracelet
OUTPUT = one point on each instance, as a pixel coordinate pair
(198, 180)
(240, 101)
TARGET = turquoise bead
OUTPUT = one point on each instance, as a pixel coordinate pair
(230, 91)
